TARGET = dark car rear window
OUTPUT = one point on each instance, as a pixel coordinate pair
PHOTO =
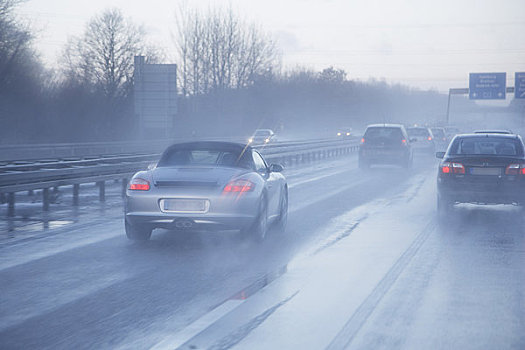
(417, 132)
(498, 146)
(438, 132)
(199, 156)
(383, 133)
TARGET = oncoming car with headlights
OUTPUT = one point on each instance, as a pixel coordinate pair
(207, 185)
(262, 136)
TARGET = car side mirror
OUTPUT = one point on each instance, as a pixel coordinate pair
(276, 168)
(440, 155)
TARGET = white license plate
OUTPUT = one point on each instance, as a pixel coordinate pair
(185, 205)
(485, 171)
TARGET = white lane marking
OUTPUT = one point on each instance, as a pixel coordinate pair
(181, 337)
(173, 342)
(298, 183)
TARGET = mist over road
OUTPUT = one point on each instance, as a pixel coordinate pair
(367, 261)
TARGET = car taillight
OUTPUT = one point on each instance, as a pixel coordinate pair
(239, 186)
(515, 169)
(139, 184)
(429, 138)
(363, 140)
(452, 168)
(446, 168)
(403, 142)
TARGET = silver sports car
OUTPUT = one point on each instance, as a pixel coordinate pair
(207, 185)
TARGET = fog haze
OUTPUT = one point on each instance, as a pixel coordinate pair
(424, 44)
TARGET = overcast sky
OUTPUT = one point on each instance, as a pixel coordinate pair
(421, 43)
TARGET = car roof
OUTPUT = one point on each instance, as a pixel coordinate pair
(473, 135)
(418, 127)
(492, 132)
(385, 126)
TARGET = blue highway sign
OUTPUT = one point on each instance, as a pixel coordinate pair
(519, 85)
(487, 86)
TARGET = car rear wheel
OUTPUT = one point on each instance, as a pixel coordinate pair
(408, 163)
(444, 206)
(137, 232)
(258, 230)
(283, 213)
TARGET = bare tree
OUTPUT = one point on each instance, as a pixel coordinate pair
(103, 55)
(16, 54)
(217, 51)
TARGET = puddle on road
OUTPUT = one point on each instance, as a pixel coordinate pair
(12, 226)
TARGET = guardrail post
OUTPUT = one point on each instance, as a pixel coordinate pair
(101, 191)
(124, 186)
(45, 199)
(11, 204)
(76, 188)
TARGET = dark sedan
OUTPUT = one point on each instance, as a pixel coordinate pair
(482, 169)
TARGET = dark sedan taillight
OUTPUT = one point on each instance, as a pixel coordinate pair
(452, 168)
(515, 169)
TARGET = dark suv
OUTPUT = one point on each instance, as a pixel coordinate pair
(385, 144)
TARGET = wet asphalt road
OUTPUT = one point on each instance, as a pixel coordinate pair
(86, 286)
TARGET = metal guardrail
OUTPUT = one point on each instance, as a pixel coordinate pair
(17, 176)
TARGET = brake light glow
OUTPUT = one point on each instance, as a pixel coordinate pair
(403, 141)
(452, 168)
(363, 140)
(458, 168)
(139, 184)
(429, 138)
(515, 169)
(239, 186)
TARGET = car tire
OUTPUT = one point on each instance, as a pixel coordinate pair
(283, 212)
(407, 164)
(137, 232)
(258, 230)
(444, 206)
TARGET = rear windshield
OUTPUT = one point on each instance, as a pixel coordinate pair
(204, 157)
(487, 146)
(386, 133)
(438, 132)
(417, 132)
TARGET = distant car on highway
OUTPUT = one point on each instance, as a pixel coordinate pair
(344, 133)
(207, 185)
(481, 169)
(262, 136)
(385, 144)
(421, 139)
(450, 132)
(440, 138)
